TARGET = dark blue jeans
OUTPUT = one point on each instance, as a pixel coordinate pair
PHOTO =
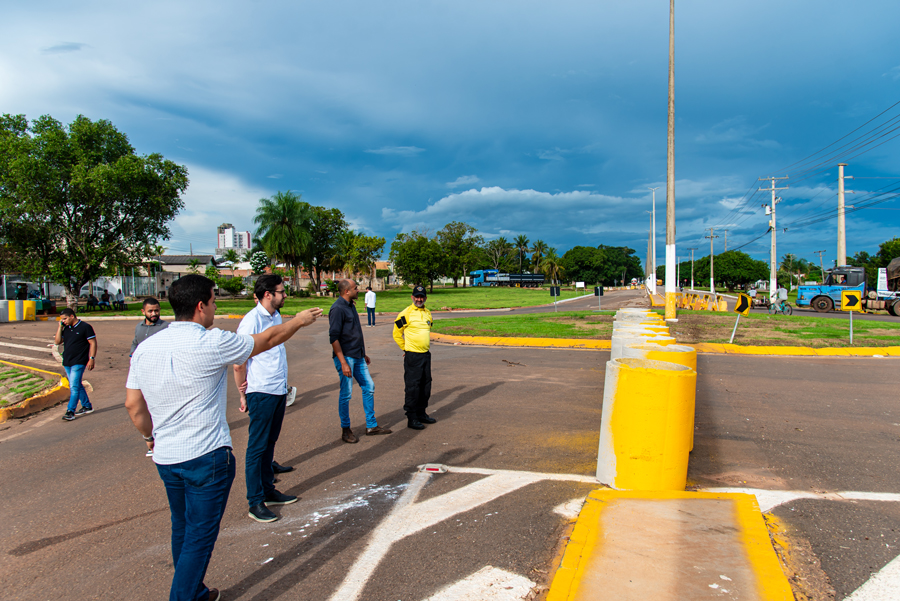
(198, 491)
(76, 388)
(266, 416)
(370, 313)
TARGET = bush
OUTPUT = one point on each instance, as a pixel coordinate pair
(232, 286)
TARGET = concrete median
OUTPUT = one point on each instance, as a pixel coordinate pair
(647, 424)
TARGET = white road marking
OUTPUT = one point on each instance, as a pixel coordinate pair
(49, 341)
(487, 584)
(39, 349)
(770, 499)
(409, 517)
(570, 509)
(884, 585)
(27, 360)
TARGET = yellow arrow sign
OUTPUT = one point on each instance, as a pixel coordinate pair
(851, 300)
(742, 305)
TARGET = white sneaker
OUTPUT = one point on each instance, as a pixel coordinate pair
(292, 394)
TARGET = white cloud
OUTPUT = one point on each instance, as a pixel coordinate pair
(406, 151)
(64, 47)
(275, 176)
(464, 180)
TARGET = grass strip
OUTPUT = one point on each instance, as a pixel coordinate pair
(692, 327)
(388, 301)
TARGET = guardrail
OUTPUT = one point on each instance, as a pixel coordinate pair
(18, 310)
(699, 301)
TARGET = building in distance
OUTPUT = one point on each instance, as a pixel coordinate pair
(230, 238)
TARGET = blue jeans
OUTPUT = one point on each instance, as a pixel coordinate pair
(266, 416)
(198, 491)
(76, 390)
(370, 313)
(359, 371)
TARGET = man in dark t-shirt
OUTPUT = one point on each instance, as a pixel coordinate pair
(80, 348)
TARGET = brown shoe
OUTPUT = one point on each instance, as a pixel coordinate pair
(376, 431)
(348, 436)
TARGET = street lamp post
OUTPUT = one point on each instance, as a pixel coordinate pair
(670, 174)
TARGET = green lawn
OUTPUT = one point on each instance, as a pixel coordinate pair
(391, 301)
(692, 327)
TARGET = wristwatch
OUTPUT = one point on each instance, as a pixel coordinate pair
(147, 438)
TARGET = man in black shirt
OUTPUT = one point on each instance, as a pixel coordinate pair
(351, 361)
(80, 348)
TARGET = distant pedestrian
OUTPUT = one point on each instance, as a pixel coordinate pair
(79, 351)
(176, 397)
(262, 382)
(104, 300)
(351, 361)
(120, 300)
(370, 306)
(412, 331)
(150, 325)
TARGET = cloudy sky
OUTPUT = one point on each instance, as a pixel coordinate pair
(540, 118)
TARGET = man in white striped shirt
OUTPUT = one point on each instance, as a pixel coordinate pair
(176, 397)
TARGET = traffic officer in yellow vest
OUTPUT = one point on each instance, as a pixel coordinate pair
(411, 332)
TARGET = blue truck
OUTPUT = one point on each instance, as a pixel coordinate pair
(827, 296)
(492, 277)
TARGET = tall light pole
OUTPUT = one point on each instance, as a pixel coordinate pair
(692, 266)
(653, 241)
(712, 282)
(842, 231)
(670, 174)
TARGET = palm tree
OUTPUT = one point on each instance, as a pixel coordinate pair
(550, 265)
(521, 244)
(497, 249)
(538, 249)
(231, 256)
(283, 227)
(343, 257)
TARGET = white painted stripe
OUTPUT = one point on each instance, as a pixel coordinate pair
(770, 499)
(38, 349)
(380, 543)
(49, 341)
(27, 360)
(534, 475)
(570, 509)
(487, 584)
(883, 586)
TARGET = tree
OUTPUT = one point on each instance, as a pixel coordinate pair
(194, 266)
(366, 250)
(417, 258)
(326, 225)
(283, 223)
(76, 199)
(258, 262)
(551, 265)
(342, 252)
(497, 250)
(231, 257)
(460, 246)
(735, 268)
(521, 244)
(619, 263)
(584, 264)
(538, 249)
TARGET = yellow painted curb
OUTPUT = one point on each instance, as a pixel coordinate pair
(586, 538)
(45, 399)
(702, 347)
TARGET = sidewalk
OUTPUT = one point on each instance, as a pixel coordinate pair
(669, 546)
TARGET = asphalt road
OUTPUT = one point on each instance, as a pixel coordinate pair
(85, 514)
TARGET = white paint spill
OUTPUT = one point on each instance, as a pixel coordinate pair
(570, 509)
(884, 585)
(723, 577)
(713, 586)
(770, 499)
(267, 561)
(487, 584)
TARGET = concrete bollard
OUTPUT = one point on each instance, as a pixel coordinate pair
(647, 424)
(29, 310)
(15, 310)
(4, 311)
(621, 342)
(673, 353)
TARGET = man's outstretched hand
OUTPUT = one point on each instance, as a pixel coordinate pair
(308, 316)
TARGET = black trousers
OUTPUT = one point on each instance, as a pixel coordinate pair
(417, 377)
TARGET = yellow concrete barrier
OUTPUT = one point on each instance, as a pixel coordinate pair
(29, 310)
(4, 311)
(647, 423)
(673, 353)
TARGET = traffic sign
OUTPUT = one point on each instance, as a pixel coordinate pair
(742, 305)
(851, 300)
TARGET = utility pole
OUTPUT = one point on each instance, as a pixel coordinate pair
(821, 267)
(670, 173)
(712, 286)
(653, 240)
(770, 210)
(725, 237)
(649, 269)
(692, 266)
(842, 231)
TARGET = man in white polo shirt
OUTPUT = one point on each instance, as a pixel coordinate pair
(176, 397)
(266, 393)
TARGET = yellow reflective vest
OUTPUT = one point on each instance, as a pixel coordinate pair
(412, 328)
